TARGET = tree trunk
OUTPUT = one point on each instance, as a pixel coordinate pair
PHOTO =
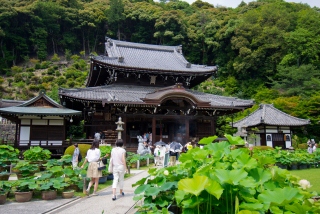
(83, 41)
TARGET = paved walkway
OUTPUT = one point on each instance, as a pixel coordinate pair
(102, 203)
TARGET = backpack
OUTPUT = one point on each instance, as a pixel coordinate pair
(79, 157)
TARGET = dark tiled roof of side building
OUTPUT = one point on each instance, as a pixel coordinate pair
(8, 103)
(149, 57)
(135, 95)
(269, 115)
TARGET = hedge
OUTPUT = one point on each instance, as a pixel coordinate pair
(82, 147)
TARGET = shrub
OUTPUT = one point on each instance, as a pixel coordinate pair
(47, 79)
(68, 54)
(71, 83)
(33, 87)
(55, 58)
(37, 66)
(50, 71)
(18, 78)
(45, 64)
(16, 69)
(61, 80)
(303, 146)
(30, 69)
(262, 147)
(57, 73)
(82, 147)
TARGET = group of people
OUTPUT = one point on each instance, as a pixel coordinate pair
(312, 146)
(99, 136)
(118, 160)
(117, 166)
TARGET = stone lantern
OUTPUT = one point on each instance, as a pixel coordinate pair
(119, 127)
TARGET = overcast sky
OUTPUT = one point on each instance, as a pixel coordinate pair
(235, 3)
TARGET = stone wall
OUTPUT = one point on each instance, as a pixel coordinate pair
(7, 133)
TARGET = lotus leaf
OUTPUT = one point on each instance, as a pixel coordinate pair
(237, 140)
(142, 188)
(214, 188)
(207, 140)
(279, 196)
(193, 185)
(231, 176)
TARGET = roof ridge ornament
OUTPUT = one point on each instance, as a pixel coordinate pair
(120, 59)
(188, 65)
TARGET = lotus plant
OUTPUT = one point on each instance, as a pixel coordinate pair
(220, 179)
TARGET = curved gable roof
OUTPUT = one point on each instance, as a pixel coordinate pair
(269, 115)
(149, 57)
(39, 105)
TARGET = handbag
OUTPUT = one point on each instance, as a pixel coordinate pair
(102, 167)
(110, 168)
(104, 161)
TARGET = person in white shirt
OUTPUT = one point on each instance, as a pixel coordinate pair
(75, 156)
(119, 167)
(93, 156)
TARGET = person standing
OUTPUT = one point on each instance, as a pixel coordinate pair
(97, 136)
(75, 156)
(93, 157)
(119, 167)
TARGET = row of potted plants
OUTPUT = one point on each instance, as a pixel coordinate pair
(132, 159)
(292, 159)
(58, 176)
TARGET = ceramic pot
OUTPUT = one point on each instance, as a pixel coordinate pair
(68, 194)
(3, 198)
(23, 196)
(49, 195)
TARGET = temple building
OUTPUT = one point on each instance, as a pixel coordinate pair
(39, 121)
(268, 126)
(149, 87)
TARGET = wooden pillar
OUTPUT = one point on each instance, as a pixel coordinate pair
(154, 126)
(187, 125)
(213, 126)
(16, 140)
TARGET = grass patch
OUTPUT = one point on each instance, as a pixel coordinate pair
(312, 175)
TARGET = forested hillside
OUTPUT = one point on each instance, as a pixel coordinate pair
(266, 50)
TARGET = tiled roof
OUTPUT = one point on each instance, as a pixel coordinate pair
(26, 108)
(136, 94)
(8, 103)
(16, 110)
(149, 57)
(267, 114)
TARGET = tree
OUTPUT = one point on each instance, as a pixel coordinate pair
(115, 15)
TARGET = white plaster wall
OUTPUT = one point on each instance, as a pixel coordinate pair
(24, 135)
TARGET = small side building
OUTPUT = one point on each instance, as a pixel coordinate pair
(40, 121)
(273, 127)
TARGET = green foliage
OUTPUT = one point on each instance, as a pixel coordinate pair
(25, 185)
(216, 179)
(36, 153)
(76, 130)
(8, 153)
(55, 58)
(82, 147)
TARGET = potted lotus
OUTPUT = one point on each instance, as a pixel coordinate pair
(37, 155)
(51, 181)
(49, 185)
(24, 169)
(24, 189)
(5, 188)
(4, 175)
(8, 155)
